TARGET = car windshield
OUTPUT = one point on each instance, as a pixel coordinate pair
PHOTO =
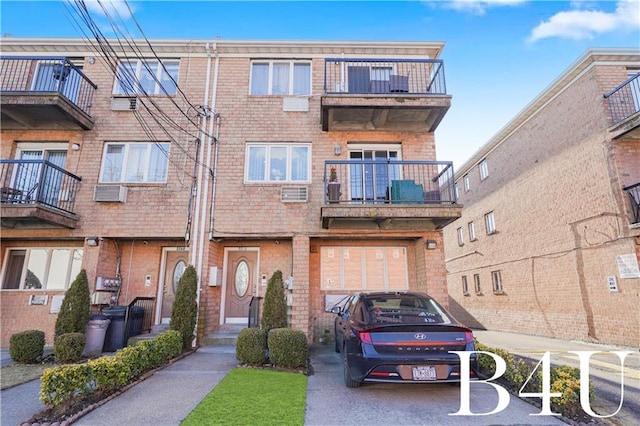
(406, 309)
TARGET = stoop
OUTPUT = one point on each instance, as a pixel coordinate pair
(227, 335)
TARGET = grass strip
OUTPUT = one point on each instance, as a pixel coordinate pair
(251, 396)
(16, 374)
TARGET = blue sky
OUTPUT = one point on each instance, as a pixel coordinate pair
(499, 54)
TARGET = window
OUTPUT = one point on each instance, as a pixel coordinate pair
(460, 237)
(281, 78)
(472, 231)
(476, 283)
(467, 184)
(135, 162)
(465, 286)
(372, 171)
(41, 268)
(363, 268)
(490, 223)
(146, 77)
(484, 169)
(278, 163)
(497, 282)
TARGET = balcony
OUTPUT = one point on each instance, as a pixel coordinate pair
(624, 105)
(633, 192)
(387, 194)
(37, 194)
(397, 95)
(44, 93)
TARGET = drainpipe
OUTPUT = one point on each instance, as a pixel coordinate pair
(215, 178)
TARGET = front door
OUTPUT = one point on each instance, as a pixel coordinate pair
(240, 287)
(176, 263)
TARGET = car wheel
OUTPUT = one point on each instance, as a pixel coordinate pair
(335, 344)
(348, 380)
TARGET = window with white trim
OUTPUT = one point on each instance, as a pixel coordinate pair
(490, 223)
(280, 78)
(41, 268)
(278, 162)
(151, 77)
(472, 231)
(135, 162)
(484, 169)
(465, 286)
(460, 237)
(476, 283)
(496, 277)
(467, 183)
(363, 268)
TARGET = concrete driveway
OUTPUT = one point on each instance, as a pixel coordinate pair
(330, 402)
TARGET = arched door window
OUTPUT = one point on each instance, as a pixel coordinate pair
(242, 278)
(177, 274)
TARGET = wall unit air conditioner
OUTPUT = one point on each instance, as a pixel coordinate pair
(110, 193)
(294, 194)
(295, 104)
(127, 103)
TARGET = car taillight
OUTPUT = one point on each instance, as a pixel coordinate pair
(468, 336)
(365, 337)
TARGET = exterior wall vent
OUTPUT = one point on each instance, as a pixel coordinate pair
(110, 193)
(293, 194)
(295, 104)
(124, 104)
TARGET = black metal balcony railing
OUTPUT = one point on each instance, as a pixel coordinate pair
(624, 100)
(634, 201)
(47, 74)
(385, 181)
(378, 76)
(37, 182)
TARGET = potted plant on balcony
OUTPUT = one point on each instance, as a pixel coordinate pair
(333, 187)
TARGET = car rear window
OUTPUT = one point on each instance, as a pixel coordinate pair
(405, 310)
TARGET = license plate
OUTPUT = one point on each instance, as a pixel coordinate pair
(424, 373)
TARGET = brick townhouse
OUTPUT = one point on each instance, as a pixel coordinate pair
(549, 239)
(238, 157)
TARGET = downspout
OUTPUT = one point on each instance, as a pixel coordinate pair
(215, 155)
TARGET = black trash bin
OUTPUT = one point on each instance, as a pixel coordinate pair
(115, 338)
(134, 322)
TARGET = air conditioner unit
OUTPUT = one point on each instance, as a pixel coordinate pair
(295, 104)
(110, 193)
(124, 103)
(294, 194)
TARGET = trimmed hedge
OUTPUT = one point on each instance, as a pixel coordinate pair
(274, 308)
(287, 347)
(185, 307)
(27, 346)
(63, 385)
(68, 347)
(251, 346)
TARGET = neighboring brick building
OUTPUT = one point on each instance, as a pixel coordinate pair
(313, 158)
(550, 215)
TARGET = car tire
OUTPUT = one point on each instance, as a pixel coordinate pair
(348, 380)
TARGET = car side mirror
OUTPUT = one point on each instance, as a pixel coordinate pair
(336, 310)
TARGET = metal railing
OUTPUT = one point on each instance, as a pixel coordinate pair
(624, 100)
(136, 320)
(633, 192)
(391, 182)
(254, 312)
(380, 76)
(47, 74)
(30, 182)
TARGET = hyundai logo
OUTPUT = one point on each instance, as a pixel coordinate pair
(419, 336)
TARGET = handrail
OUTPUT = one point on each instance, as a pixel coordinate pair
(148, 306)
(624, 100)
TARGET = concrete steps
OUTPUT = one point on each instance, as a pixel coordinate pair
(227, 335)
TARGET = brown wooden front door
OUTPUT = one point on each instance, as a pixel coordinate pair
(176, 263)
(240, 283)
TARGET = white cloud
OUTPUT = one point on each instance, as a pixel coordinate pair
(114, 8)
(478, 6)
(585, 24)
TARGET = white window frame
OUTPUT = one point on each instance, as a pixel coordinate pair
(484, 169)
(267, 174)
(160, 67)
(472, 231)
(496, 278)
(164, 147)
(460, 234)
(291, 85)
(465, 286)
(490, 223)
(467, 183)
(48, 266)
(476, 284)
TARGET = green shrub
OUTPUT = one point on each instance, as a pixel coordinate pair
(274, 310)
(75, 309)
(27, 346)
(287, 347)
(251, 346)
(68, 347)
(185, 307)
(66, 383)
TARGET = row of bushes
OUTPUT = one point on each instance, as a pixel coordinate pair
(66, 384)
(564, 379)
(282, 347)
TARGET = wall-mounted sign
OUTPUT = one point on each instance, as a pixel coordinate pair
(613, 284)
(628, 266)
(38, 299)
(56, 303)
